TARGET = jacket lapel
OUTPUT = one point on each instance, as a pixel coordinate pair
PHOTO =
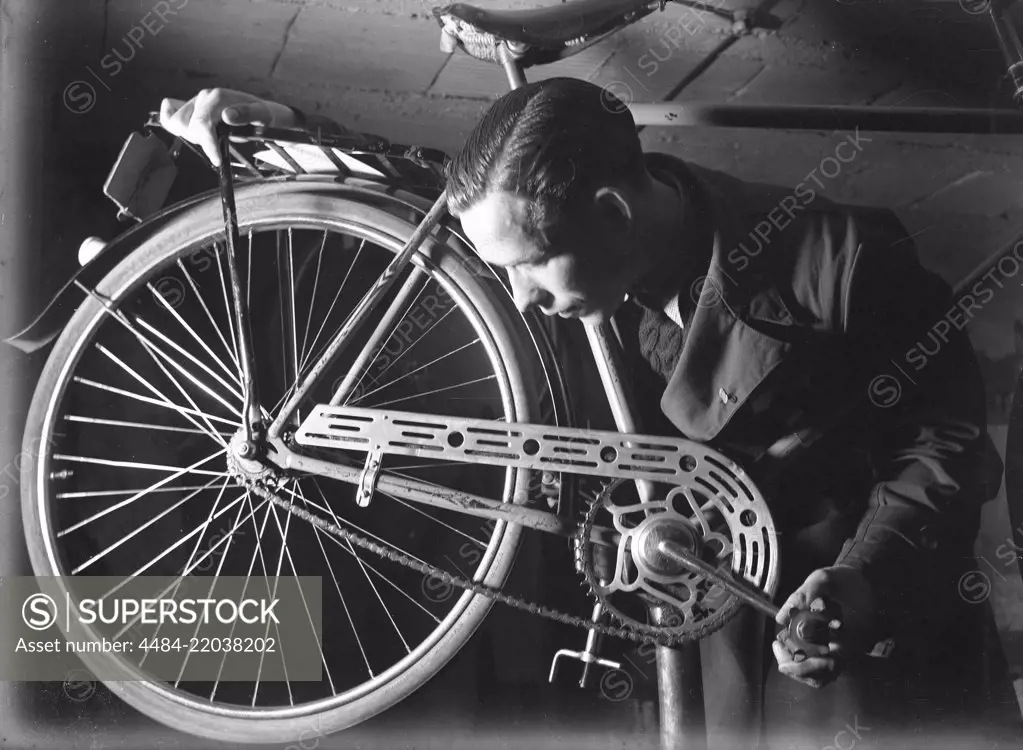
(724, 358)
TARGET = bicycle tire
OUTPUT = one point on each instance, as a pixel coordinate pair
(276, 203)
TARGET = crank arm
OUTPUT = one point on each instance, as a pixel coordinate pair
(807, 631)
(723, 576)
(442, 497)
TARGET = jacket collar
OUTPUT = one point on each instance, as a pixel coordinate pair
(710, 207)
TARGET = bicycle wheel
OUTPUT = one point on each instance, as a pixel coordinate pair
(142, 391)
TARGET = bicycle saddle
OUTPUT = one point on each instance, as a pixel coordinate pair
(553, 25)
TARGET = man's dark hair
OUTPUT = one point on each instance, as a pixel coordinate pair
(551, 142)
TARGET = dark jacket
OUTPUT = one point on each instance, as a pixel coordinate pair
(823, 357)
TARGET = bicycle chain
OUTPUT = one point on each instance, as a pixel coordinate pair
(625, 632)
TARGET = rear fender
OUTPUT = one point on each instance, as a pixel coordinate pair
(49, 323)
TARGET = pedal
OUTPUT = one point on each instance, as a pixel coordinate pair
(588, 655)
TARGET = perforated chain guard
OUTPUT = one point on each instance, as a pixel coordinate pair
(603, 453)
(531, 446)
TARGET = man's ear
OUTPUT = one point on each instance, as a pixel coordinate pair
(613, 207)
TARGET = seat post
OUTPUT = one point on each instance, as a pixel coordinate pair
(512, 68)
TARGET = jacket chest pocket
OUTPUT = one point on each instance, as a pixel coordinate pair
(805, 390)
(723, 365)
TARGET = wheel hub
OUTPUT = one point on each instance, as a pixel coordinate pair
(245, 460)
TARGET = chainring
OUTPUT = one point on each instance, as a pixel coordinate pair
(719, 528)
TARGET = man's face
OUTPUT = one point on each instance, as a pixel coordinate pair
(581, 276)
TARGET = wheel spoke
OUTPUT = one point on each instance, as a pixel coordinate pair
(271, 510)
(216, 329)
(312, 296)
(188, 568)
(187, 375)
(248, 276)
(372, 585)
(387, 324)
(418, 369)
(415, 507)
(266, 632)
(337, 586)
(149, 350)
(138, 530)
(216, 576)
(119, 317)
(337, 296)
(256, 552)
(436, 390)
(135, 465)
(166, 403)
(177, 347)
(419, 338)
(178, 543)
(385, 328)
(112, 493)
(140, 425)
(289, 325)
(195, 548)
(301, 594)
(356, 527)
(183, 323)
(209, 519)
(444, 465)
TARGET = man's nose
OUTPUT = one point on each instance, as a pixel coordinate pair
(526, 293)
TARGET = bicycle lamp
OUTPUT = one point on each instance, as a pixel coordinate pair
(90, 249)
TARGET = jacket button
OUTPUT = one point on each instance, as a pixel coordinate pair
(927, 538)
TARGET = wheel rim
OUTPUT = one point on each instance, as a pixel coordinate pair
(206, 417)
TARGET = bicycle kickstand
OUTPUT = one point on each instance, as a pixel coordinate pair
(588, 656)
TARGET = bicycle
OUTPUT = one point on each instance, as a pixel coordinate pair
(162, 347)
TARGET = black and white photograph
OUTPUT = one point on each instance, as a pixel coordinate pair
(512, 374)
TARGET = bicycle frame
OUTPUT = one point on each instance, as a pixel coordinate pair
(603, 342)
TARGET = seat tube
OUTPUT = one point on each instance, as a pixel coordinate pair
(607, 354)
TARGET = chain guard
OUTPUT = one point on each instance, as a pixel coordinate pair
(692, 469)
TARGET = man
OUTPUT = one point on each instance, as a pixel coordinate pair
(771, 322)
